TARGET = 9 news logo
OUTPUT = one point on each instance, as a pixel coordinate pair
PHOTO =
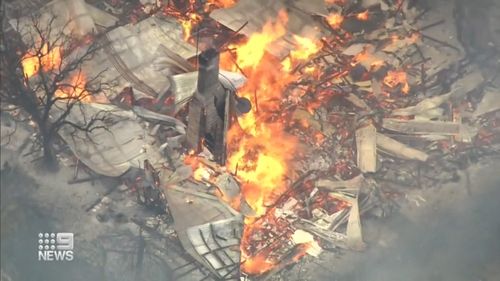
(55, 246)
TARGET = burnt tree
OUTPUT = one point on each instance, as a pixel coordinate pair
(43, 76)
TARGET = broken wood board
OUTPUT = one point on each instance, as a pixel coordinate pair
(351, 184)
(357, 101)
(400, 150)
(459, 89)
(416, 127)
(366, 146)
(354, 235)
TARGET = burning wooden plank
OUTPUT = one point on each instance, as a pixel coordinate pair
(366, 145)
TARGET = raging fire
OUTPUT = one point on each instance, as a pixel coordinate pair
(305, 48)
(261, 149)
(260, 155)
(250, 54)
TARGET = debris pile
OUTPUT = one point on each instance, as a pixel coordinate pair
(339, 118)
(350, 101)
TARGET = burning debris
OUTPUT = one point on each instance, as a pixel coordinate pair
(294, 139)
(307, 105)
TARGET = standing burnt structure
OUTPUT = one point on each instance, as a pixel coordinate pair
(209, 109)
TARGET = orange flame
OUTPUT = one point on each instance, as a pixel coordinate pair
(250, 54)
(75, 89)
(46, 59)
(259, 149)
(222, 3)
(257, 265)
(363, 15)
(188, 23)
(396, 78)
(334, 1)
(305, 48)
(335, 20)
(200, 171)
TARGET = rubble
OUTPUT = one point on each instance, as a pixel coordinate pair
(367, 98)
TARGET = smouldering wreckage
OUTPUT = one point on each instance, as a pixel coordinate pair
(298, 134)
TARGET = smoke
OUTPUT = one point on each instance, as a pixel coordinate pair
(458, 240)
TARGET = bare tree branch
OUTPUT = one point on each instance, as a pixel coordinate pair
(58, 85)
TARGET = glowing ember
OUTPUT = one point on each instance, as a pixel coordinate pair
(222, 3)
(396, 78)
(367, 59)
(45, 60)
(363, 16)
(334, 1)
(335, 20)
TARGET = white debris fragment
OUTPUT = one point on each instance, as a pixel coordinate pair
(303, 237)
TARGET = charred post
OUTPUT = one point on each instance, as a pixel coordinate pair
(209, 110)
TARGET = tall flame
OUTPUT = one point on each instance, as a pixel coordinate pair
(260, 149)
(260, 154)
